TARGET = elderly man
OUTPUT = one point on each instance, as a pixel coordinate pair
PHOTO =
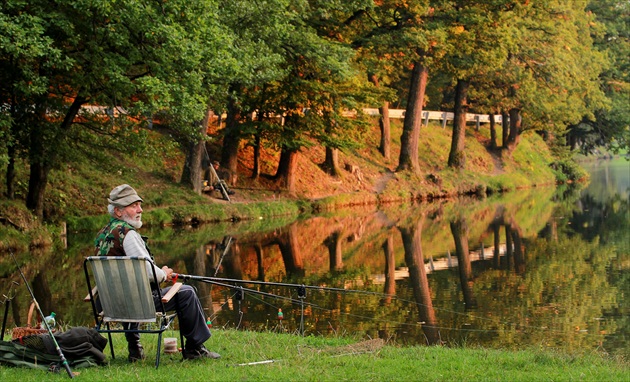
(120, 238)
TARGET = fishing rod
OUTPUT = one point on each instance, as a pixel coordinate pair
(177, 276)
(64, 362)
(299, 286)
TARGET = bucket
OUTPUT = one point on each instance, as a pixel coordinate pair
(170, 345)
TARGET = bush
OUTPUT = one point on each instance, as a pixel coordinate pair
(567, 171)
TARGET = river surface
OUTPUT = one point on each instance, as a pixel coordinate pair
(543, 267)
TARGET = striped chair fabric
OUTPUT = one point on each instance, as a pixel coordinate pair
(124, 288)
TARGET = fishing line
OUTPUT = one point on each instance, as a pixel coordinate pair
(302, 288)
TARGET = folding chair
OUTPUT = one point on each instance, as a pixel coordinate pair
(123, 293)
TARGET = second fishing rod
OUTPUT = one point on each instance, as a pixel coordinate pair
(300, 287)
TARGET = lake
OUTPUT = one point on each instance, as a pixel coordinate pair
(545, 267)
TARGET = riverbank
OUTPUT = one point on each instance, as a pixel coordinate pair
(294, 358)
(76, 196)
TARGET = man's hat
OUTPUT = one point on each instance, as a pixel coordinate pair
(123, 195)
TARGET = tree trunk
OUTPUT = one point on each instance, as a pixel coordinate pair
(386, 136)
(192, 174)
(408, 159)
(231, 141)
(505, 129)
(287, 169)
(40, 158)
(331, 163)
(257, 148)
(457, 156)
(10, 181)
(383, 122)
(515, 129)
(37, 183)
(493, 132)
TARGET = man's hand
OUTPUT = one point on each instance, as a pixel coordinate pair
(169, 272)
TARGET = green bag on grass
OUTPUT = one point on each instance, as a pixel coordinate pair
(82, 347)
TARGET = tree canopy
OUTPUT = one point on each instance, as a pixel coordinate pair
(79, 76)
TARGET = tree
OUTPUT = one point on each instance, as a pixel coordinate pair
(478, 38)
(314, 82)
(611, 35)
(262, 33)
(550, 76)
(130, 58)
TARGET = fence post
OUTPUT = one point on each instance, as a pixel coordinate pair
(477, 120)
(443, 119)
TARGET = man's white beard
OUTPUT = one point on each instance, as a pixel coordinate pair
(134, 222)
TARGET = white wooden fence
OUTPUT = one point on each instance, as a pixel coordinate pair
(443, 116)
(427, 115)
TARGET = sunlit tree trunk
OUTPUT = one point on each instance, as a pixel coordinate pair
(409, 139)
(383, 122)
(493, 132)
(457, 156)
(515, 129)
(287, 169)
(331, 163)
(505, 128)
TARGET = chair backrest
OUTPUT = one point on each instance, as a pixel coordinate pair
(123, 287)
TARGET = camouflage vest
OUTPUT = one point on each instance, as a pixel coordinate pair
(109, 241)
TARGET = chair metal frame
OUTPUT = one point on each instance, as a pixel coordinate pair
(144, 291)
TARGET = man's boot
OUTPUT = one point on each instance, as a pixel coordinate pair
(136, 351)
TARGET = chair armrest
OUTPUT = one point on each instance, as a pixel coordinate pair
(94, 293)
(171, 292)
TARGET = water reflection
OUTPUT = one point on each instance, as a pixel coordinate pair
(539, 267)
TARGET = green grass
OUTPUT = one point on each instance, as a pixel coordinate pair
(297, 358)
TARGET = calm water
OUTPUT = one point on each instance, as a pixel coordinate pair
(543, 267)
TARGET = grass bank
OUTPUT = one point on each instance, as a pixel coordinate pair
(298, 358)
